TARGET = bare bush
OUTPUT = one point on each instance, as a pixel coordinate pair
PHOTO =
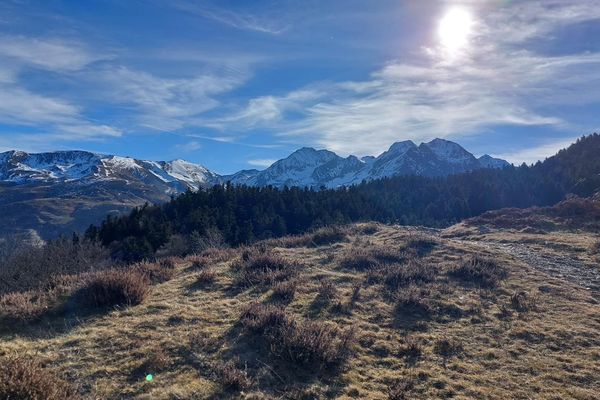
(414, 272)
(156, 272)
(421, 243)
(327, 290)
(328, 235)
(521, 301)
(303, 343)
(113, 288)
(233, 377)
(285, 291)
(447, 348)
(206, 276)
(24, 379)
(401, 389)
(361, 259)
(479, 271)
(27, 266)
(25, 306)
(412, 301)
(258, 267)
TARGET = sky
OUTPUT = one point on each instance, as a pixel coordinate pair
(239, 84)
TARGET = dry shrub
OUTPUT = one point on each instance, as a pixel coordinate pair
(259, 266)
(370, 228)
(218, 254)
(327, 291)
(156, 272)
(23, 379)
(414, 272)
(412, 349)
(421, 244)
(362, 259)
(206, 276)
(401, 389)
(113, 288)
(25, 307)
(522, 302)
(328, 235)
(233, 377)
(300, 342)
(156, 360)
(447, 348)
(479, 271)
(285, 291)
(412, 301)
(596, 248)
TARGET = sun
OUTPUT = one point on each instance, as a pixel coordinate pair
(455, 28)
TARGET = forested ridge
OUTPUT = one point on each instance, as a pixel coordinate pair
(243, 214)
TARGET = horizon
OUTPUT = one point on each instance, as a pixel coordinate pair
(232, 85)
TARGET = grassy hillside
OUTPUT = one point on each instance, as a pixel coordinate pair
(370, 311)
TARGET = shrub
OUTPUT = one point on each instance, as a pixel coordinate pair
(421, 244)
(156, 360)
(328, 235)
(258, 267)
(411, 301)
(415, 272)
(113, 288)
(24, 307)
(232, 377)
(24, 266)
(327, 290)
(285, 291)
(401, 389)
(522, 302)
(447, 348)
(206, 277)
(304, 343)
(23, 379)
(596, 248)
(365, 259)
(479, 271)
(412, 349)
(156, 272)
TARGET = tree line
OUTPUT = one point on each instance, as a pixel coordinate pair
(243, 214)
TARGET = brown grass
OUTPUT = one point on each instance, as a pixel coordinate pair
(23, 379)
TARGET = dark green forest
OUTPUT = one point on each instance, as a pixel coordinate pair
(244, 214)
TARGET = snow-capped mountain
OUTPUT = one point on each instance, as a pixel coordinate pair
(81, 167)
(65, 191)
(318, 168)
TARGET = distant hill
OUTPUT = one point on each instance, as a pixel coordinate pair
(65, 191)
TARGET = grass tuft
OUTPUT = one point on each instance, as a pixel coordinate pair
(113, 288)
(479, 271)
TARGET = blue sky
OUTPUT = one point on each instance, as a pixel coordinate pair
(238, 84)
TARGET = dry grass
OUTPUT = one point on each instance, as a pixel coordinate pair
(479, 271)
(418, 330)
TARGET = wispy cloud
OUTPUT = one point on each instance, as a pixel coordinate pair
(234, 19)
(161, 103)
(188, 147)
(263, 162)
(51, 54)
(537, 153)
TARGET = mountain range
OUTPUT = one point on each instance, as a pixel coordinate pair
(59, 192)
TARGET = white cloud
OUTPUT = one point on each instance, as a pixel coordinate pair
(188, 147)
(263, 162)
(50, 54)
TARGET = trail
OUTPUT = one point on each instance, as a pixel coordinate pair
(558, 266)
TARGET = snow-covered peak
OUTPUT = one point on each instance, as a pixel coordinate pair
(449, 151)
(402, 147)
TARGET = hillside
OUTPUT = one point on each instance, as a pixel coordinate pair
(367, 311)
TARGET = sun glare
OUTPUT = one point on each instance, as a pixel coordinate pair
(454, 29)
